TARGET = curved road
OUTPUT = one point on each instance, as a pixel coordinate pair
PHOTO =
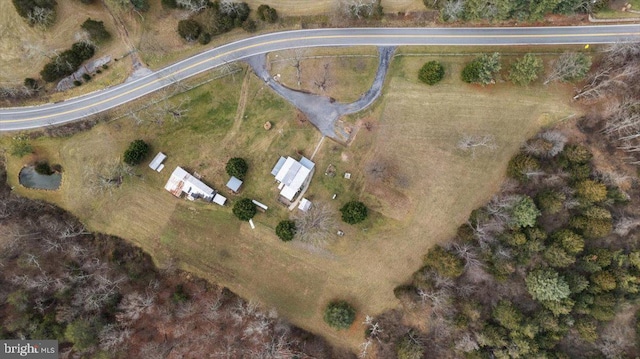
(39, 116)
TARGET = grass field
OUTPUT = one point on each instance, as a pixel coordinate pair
(413, 127)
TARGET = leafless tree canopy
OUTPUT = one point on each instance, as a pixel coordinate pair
(473, 143)
(317, 225)
(546, 144)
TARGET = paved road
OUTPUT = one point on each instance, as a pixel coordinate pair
(79, 107)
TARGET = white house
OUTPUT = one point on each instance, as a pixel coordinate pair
(292, 175)
(182, 182)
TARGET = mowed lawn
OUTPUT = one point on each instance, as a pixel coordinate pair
(414, 128)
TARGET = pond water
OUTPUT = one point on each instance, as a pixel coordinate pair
(32, 179)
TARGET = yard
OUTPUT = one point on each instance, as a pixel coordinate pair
(427, 191)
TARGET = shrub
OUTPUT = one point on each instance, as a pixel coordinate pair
(86, 77)
(21, 146)
(136, 152)
(482, 69)
(431, 73)
(547, 285)
(204, 38)
(169, 4)
(244, 209)
(339, 315)
(180, 295)
(520, 165)
(445, 263)
(77, 83)
(591, 191)
(267, 13)
(249, 26)
(96, 30)
(409, 348)
(286, 230)
(354, 212)
(189, 29)
(43, 168)
(237, 167)
(525, 70)
(31, 83)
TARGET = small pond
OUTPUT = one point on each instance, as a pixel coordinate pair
(32, 179)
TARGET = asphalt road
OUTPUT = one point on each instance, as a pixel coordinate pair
(21, 118)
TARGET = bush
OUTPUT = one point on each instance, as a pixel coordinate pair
(96, 30)
(136, 152)
(249, 26)
(267, 13)
(204, 38)
(169, 4)
(43, 168)
(31, 83)
(180, 295)
(520, 165)
(244, 209)
(77, 83)
(237, 167)
(21, 146)
(339, 315)
(525, 70)
(286, 230)
(67, 62)
(431, 73)
(189, 29)
(354, 212)
(482, 69)
(86, 77)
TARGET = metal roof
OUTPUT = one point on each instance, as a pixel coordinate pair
(234, 184)
(278, 166)
(181, 181)
(157, 161)
(219, 199)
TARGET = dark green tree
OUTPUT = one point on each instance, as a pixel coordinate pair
(244, 209)
(525, 70)
(482, 69)
(339, 315)
(96, 30)
(286, 230)
(267, 13)
(521, 165)
(82, 333)
(237, 167)
(431, 73)
(354, 212)
(136, 152)
(444, 262)
(524, 213)
(189, 29)
(547, 285)
(550, 201)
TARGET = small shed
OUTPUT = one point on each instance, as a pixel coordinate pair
(219, 199)
(157, 162)
(234, 184)
(261, 206)
(304, 205)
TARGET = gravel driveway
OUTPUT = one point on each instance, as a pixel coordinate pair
(319, 109)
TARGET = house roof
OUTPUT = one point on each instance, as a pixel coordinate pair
(234, 184)
(307, 163)
(181, 181)
(157, 161)
(219, 199)
(292, 174)
(278, 166)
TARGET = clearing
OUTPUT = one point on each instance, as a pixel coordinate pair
(428, 189)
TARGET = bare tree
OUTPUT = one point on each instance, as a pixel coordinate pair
(193, 6)
(113, 337)
(567, 66)
(41, 17)
(323, 82)
(359, 9)
(133, 305)
(108, 177)
(316, 225)
(625, 224)
(452, 10)
(471, 143)
(546, 144)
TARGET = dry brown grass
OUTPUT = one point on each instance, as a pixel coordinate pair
(24, 49)
(414, 126)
